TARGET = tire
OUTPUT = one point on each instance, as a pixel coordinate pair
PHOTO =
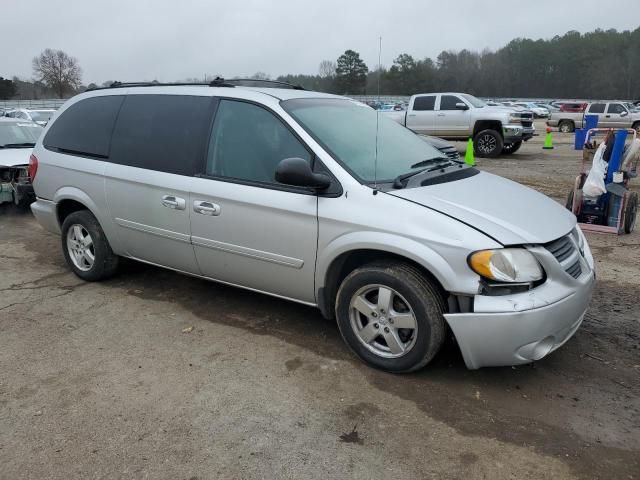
(636, 127)
(509, 148)
(488, 143)
(566, 126)
(569, 203)
(630, 212)
(75, 229)
(412, 295)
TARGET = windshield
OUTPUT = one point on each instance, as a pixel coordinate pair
(40, 116)
(476, 102)
(11, 133)
(347, 130)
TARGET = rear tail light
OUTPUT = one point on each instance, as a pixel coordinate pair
(33, 167)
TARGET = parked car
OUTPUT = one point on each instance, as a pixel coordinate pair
(41, 117)
(549, 107)
(610, 115)
(456, 116)
(17, 139)
(538, 112)
(282, 192)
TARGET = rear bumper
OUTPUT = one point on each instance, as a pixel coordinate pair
(45, 213)
(525, 327)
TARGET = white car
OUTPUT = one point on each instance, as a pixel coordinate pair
(40, 116)
(538, 111)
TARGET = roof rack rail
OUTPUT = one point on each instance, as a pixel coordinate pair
(216, 82)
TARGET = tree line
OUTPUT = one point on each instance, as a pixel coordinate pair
(602, 64)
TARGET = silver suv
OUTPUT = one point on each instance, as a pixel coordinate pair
(317, 199)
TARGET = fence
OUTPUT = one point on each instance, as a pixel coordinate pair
(44, 103)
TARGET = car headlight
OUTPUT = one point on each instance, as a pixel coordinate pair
(515, 117)
(506, 265)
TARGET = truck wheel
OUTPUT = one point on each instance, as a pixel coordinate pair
(391, 316)
(488, 143)
(630, 211)
(566, 126)
(636, 127)
(509, 148)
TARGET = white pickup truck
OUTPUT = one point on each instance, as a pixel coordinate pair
(458, 116)
(610, 115)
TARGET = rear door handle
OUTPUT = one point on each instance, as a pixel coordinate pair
(206, 208)
(411, 115)
(174, 202)
(441, 114)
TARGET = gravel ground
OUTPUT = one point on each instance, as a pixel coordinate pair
(157, 375)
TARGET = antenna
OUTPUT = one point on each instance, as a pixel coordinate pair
(375, 162)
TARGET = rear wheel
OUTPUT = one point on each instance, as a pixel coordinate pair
(630, 212)
(509, 148)
(86, 248)
(566, 126)
(391, 316)
(488, 143)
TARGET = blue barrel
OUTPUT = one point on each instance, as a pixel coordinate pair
(590, 121)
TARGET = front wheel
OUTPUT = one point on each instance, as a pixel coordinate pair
(391, 316)
(509, 148)
(86, 248)
(488, 143)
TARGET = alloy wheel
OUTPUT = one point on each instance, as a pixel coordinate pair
(80, 247)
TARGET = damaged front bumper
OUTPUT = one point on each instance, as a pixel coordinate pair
(525, 327)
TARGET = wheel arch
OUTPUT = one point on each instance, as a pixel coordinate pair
(344, 257)
(481, 125)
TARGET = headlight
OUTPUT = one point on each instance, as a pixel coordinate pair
(506, 265)
(515, 117)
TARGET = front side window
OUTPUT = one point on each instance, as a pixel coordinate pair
(85, 127)
(597, 108)
(166, 133)
(616, 108)
(424, 103)
(448, 102)
(353, 134)
(247, 143)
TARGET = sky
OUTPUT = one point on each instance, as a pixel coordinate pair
(168, 40)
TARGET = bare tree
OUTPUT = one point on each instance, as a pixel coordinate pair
(261, 76)
(60, 72)
(327, 69)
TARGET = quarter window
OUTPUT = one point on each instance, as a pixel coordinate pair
(247, 143)
(597, 108)
(424, 103)
(166, 133)
(448, 102)
(85, 127)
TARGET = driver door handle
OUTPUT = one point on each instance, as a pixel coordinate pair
(441, 115)
(206, 208)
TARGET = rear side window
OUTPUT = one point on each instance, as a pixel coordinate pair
(597, 108)
(448, 102)
(85, 127)
(424, 103)
(167, 133)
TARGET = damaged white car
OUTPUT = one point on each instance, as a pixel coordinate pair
(17, 139)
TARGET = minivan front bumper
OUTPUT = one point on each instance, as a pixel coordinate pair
(525, 327)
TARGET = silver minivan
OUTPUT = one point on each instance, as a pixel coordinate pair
(317, 199)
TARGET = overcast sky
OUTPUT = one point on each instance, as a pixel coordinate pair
(168, 40)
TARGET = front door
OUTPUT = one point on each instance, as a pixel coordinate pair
(450, 120)
(614, 116)
(247, 229)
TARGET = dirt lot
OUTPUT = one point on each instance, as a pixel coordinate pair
(101, 380)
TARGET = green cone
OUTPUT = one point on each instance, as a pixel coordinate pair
(548, 142)
(468, 156)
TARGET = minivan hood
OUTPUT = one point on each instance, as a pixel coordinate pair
(506, 211)
(12, 157)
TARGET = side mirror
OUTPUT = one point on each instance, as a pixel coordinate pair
(297, 172)
(624, 114)
(462, 106)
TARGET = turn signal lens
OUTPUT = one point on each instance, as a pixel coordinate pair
(514, 265)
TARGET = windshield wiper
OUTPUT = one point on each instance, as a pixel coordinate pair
(18, 145)
(429, 161)
(398, 182)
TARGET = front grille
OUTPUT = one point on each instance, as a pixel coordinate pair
(566, 253)
(526, 123)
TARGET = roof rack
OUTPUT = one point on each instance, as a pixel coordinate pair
(216, 82)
